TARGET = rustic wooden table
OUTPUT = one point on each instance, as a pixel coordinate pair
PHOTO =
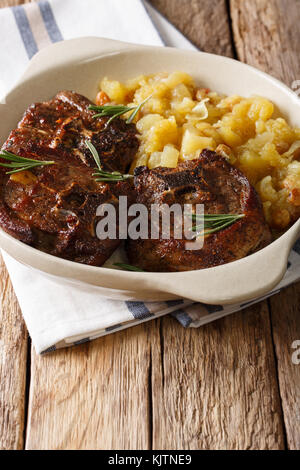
(228, 385)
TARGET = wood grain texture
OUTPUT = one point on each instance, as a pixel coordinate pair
(13, 353)
(286, 329)
(267, 35)
(203, 22)
(93, 396)
(217, 385)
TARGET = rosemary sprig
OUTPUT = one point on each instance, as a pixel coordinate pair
(102, 175)
(128, 267)
(214, 222)
(137, 109)
(110, 110)
(117, 110)
(18, 163)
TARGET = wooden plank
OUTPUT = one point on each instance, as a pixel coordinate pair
(267, 35)
(217, 387)
(286, 329)
(13, 353)
(205, 23)
(93, 396)
(214, 392)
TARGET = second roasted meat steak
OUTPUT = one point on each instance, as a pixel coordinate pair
(223, 189)
(53, 208)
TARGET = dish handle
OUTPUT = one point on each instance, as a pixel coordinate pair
(249, 278)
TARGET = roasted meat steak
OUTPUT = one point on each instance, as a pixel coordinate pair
(53, 208)
(61, 126)
(208, 180)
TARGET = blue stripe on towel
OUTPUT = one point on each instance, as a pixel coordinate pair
(139, 310)
(25, 31)
(113, 327)
(50, 22)
(173, 303)
(182, 317)
(259, 299)
(51, 349)
(213, 308)
(296, 247)
(81, 341)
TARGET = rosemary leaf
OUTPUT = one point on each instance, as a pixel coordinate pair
(128, 267)
(132, 116)
(94, 152)
(119, 114)
(100, 174)
(214, 222)
(110, 110)
(17, 163)
(117, 110)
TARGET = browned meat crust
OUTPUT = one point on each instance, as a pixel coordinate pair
(211, 181)
(53, 208)
(61, 126)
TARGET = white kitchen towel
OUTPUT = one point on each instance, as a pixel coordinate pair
(25, 29)
(57, 313)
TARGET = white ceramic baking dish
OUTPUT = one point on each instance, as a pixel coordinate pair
(78, 65)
